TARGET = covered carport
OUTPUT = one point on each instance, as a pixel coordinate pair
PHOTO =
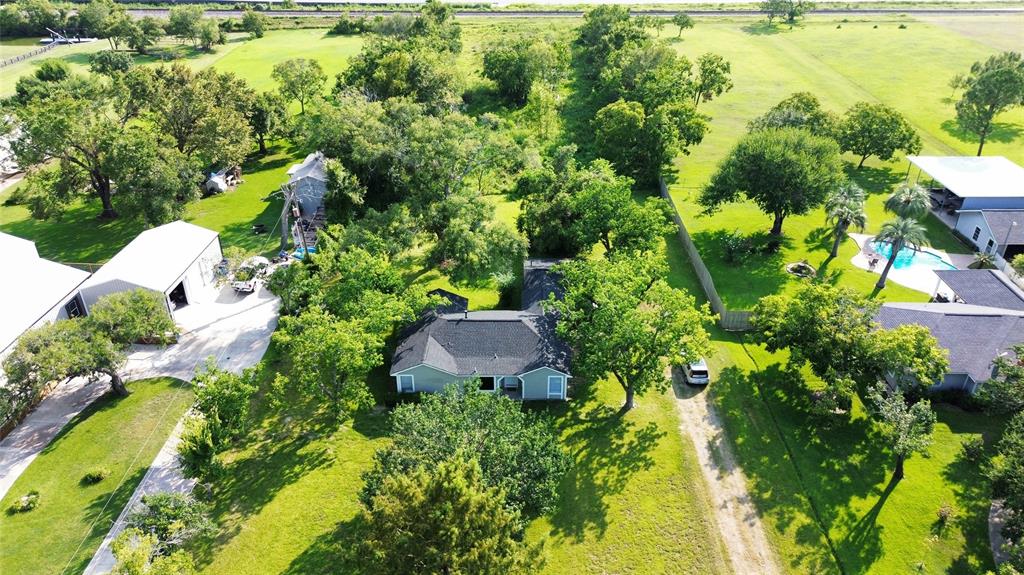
(971, 182)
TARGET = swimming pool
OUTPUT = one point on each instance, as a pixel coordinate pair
(909, 259)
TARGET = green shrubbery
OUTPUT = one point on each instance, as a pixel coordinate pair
(95, 475)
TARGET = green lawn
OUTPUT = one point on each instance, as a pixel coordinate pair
(635, 501)
(122, 435)
(906, 68)
(809, 480)
(80, 237)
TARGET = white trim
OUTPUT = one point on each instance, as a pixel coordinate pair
(394, 373)
(567, 376)
(561, 387)
(398, 380)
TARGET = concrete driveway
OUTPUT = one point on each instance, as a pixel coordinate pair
(235, 330)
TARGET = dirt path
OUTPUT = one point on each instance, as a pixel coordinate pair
(735, 513)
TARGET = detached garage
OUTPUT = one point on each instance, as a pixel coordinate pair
(178, 260)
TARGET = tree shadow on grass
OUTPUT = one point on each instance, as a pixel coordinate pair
(279, 456)
(821, 467)
(103, 510)
(742, 284)
(1001, 132)
(336, 552)
(761, 28)
(607, 449)
(972, 492)
(874, 180)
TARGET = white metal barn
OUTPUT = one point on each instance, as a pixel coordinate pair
(34, 291)
(178, 260)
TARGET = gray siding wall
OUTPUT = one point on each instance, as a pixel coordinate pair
(996, 203)
(428, 379)
(535, 384)
(92, 293)
(951, 381)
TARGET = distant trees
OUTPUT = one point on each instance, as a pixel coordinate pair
(640, 143)
(390, 68)
(800, 110)
(253, 22)
(605, 29)
(299, 79)
(876, 130)
(184, 21)
(683, 21)
(785, 171)
(516, 65)
(445, 520)
(990, 88)
(791, 10)
(844, 207)
(624, 320)
(899, 233)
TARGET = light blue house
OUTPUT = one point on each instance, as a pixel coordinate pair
(512, 352)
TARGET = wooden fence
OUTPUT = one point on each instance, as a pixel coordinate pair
(730, 320)
(28, 54)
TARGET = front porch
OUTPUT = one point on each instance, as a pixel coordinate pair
(510, 386)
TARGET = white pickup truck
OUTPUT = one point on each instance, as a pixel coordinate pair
(248, 275)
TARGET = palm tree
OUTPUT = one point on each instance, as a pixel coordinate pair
(844, 208)
(899, 233)
(909, 201)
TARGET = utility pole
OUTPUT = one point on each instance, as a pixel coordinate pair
(286, 191)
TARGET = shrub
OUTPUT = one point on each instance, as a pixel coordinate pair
(95, 475)
(173, 518)
(223, 399)
(25, 503)
(736, 247)
(196, 450)
(973, 448)
(1018, 263)
(946, 514)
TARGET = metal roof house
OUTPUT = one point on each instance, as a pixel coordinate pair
(512, 352)
(178, 260)
(34, 291)
(976, 182)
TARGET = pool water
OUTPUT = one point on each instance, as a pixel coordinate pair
(910, 259)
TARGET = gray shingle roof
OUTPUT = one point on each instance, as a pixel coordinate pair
(973, 335)
(538, 282)
(989, 288)
(1001, 223)
(482, 343)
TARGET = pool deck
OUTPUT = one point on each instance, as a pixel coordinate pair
(920, 279)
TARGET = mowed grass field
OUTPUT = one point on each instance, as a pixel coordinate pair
(841, 63)
(121, 435)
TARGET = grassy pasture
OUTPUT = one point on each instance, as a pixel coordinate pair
(841, 63)
(121, 435)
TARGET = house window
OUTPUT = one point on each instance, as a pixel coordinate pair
(487, 383)
(977, 232)
(556, 384)
(74, 307)
(989, 246)
(406, 384)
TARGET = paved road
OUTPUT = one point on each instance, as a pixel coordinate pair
(559, 13)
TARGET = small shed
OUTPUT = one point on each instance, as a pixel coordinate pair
(178, 260)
